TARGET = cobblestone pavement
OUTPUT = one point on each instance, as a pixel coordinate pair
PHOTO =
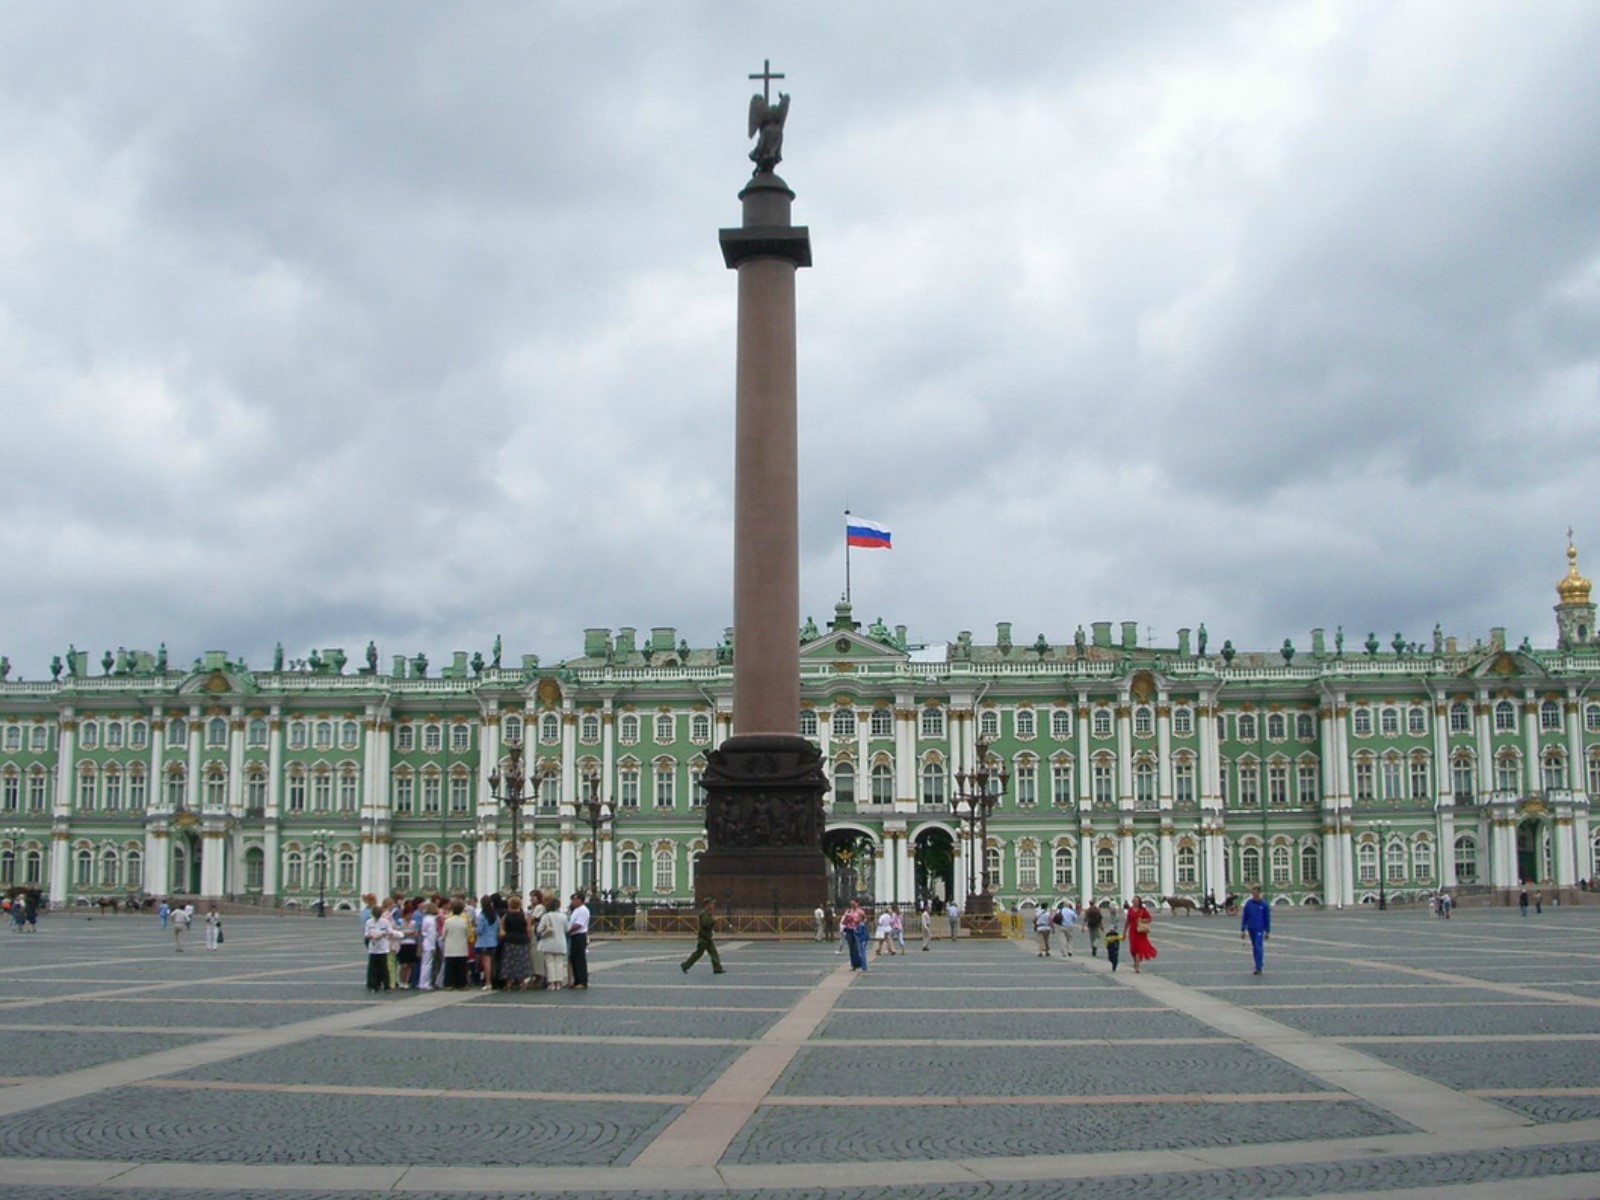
(1381, 1054)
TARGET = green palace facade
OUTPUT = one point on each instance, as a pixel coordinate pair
(1330, 774)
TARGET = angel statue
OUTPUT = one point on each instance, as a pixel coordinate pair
(766, 126)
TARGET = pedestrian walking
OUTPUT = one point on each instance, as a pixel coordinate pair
(1137, 930)
(820, 916)
(706, 939)
(1538, 901)
(925, 921)
(850, 922)
(1255, 923)
(953, 915)
(1065, 919)
(1522, 901)
(163, 914)
(899, 926)
(1113, 937)
(885, 934)
(1043, 919)
(180, 926)
(213, 928)
(1093, 922)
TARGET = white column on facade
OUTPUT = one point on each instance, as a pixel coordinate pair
(907, 890)
(1208, 769)
(192, 790)
(157, 841)
(271, 841)
(65, 798)
(1085, 867)
(1444, 793)
(569, 863)
(905, 747)
(486, 818)
(1081, 768)
(1124, 712)
(863, 749)
(1338, 888)
(1164, 784)
(1563, 852)
(1532, 775)
(1125, 878)
(1168, 858)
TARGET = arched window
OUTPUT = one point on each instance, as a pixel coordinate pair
(808, 722)
(345, 871)
(1391, 777)
(1507, 771)
(1310, 864)
(1505, 717)
(1422, 860)
(1144, 786)
(432, 798)
(933, 784)
(1281, 865)
(664, 729)
(989, 724)
(844, 722)
(255, 733)
(1305, 727)
(628, 870)
(1026, 781)
(322, 735)
(1463, 778)
(1102, 780)
(1100, 722)
(110, 869)
(1394, 856)
(1550, 716)
(628, 785)
(461, 737)
(216, 786)
(666, 780)
(1061, 723)
(1027, 868)
(932, 722)
(1367, 862)
(882, 783)
(1361, 721)
(1389, 721)
(1416, 720)
(700, 728)
(1460, 717)
(322, 790)
(1553, 770)
(83, 867)
(1250, 865)
(1144, 721)
(663, 876)
(403, 878)
(1247, 727)
(89, 736)
(255, 869)
(405, 791)
(1066, 868)
(1061, 782)
(432, 738)
(1025, 722)
(349, 735)
(349, 790)
(549, 728)
(294, 870)
(458, 872)
(882, 723)
(1188, 862)
(992, 868)
(178, 732)
(844, 783)
(511, 730)
(1466, 859)
(1277, 727)
(1145, 867)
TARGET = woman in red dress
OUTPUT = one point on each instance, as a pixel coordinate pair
(1137, 931)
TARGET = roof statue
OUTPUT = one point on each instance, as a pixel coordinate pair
(766, 121)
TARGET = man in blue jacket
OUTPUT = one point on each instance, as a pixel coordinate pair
(1255, 922)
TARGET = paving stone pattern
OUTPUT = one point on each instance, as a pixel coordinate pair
(351, 1079)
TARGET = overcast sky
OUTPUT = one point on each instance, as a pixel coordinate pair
(322, 322)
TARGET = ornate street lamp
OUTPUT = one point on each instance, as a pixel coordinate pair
(322, 836)
(594, 813)
(1383, 864)
(506, 790)
(976, 793)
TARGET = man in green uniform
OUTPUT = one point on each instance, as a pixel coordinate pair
(706, 943)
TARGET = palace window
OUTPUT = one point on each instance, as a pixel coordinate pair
(1188, 864)
(1061, 783)
(216, 733)
(1027, 783)
(808, 722)
(664, 731)
(1100, 722)
(844, 722)
(1183, 780)
(1024, 721)
(666, 783)
(1389, 721)
(460, 792)
(1247, 727)
(349, 735)
(1103, 781)
(12, 789)
(589, 728)
(405, 739)
(882, 722)
(932, 722)
(1592, 774)
(255, 733)
(13, 738)
(1391, 777)
(321, 790)
(628, 729)
(177, 788)
(1505, 717)
(294, 870)
(1065, 871)
(1281, 861)
(1420, 778)
(1591, 718)
(1278, 784)
(1250, 865)
(1367, 862)
(700, 728)
(547, 869)
(216, 788)
(1416, 720)
(1361, 722)
(402, 870)
(321, 735)
(844, 784)
(1553, 771)
(461, 737)
(1144, 786)
(628, 786)
(1507, 772)
(1310, 864)
(1306, 784)
(1028, 869)
(1463, 779)
(38, 790)
(1365, 778)
(405, 791)
(86, 789)
(137, 790)
(628, 870)
(255, 790)
(1460, 717)
(1395, 859)
(1144, 721)
(178, 733)
(113, 735)
(991, 867)
(988, 724)
(83, 864)
(1182, 721)
(1305, 727)
(549, 728)
(933, 784)
(1422, 861)
(1277, 727)
(512, 729)
(882, 783)
(113, 789)
(1249, 786)
(39, 738)
(432, 739)
(1061, 723)
(1105, 867)
(1145, 867)
(1550, 716)
(89, 736)
(432, 794)
(663, 873)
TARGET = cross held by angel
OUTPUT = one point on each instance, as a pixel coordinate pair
(766, 121)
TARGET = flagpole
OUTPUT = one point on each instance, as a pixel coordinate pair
(847, 556)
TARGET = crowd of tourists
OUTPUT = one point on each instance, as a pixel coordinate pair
(495, 944)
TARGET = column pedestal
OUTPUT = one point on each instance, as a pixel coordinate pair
(764, 824)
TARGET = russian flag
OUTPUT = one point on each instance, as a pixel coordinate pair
(868, 535)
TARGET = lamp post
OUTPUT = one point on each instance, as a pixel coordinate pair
(594, 813)
(507, 790)
(14, 837)
(322, 836)
(470, 837)
(1383, 864)
(976, 793)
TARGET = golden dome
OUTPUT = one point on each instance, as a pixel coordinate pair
(1574, 589)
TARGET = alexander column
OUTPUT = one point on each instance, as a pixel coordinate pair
(764, 785)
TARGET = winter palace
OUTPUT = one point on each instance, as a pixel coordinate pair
(1328, 774)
